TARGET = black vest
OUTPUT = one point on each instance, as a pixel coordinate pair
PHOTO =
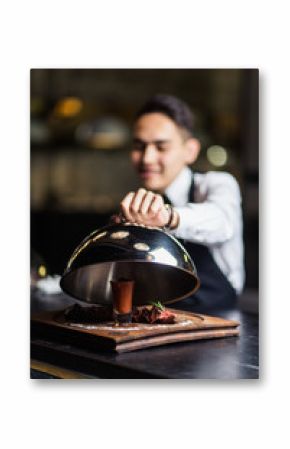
(215, 290)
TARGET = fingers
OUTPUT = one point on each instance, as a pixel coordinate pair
(126, 206)
(141, 206)
(137, 201)
(156, 205)
(147, 200)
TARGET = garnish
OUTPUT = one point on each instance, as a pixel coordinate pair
(158, 305)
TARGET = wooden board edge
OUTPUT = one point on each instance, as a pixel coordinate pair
(176, 338)
(114, 340)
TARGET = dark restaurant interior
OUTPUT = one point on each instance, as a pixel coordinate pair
(80, 142)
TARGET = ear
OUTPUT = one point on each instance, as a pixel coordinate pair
(192, 150)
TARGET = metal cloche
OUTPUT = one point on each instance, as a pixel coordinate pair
(160, 266)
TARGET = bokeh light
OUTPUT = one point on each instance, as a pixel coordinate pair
(217, 155)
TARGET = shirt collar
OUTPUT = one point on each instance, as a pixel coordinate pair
(178, 190)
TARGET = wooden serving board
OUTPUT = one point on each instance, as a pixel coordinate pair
(105, 336)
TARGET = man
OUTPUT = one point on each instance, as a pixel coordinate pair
(202, 210)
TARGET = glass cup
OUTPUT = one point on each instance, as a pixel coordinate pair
(122, 300)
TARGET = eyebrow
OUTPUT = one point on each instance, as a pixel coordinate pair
(137, 140)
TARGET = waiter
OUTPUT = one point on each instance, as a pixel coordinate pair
(202, 210)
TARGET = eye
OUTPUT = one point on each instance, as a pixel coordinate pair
(162, 146)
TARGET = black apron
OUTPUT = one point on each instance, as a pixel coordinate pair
(215, 290)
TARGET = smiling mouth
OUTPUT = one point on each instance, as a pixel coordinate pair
(145, 173)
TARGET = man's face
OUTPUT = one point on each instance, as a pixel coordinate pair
(160, 151)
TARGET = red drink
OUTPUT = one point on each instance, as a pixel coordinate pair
(122, 300)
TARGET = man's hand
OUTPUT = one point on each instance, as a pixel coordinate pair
(145, 207)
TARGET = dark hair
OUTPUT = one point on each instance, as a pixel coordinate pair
(173, 107)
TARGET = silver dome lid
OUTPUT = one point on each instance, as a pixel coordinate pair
(160, 266)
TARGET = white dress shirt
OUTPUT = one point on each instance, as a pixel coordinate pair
(214, 219)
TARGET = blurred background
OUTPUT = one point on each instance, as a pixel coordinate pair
(80, 141)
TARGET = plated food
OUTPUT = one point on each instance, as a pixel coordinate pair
(152, 314)
(88, 314)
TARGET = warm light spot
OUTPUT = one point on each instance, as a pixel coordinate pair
(42, 271)
(217, 155)
(141, 246)
(119, 235)
(106, 140)
(105, 133)
(68, 107)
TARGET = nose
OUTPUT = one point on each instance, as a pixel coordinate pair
(149, 154)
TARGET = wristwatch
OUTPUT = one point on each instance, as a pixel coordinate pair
(172, 215)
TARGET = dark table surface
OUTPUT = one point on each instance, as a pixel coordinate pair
(224, 358)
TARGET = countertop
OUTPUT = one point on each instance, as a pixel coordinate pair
(224, 358)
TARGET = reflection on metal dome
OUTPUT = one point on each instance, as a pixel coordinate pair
(160, 266)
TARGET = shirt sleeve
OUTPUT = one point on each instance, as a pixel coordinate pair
(217, 216)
